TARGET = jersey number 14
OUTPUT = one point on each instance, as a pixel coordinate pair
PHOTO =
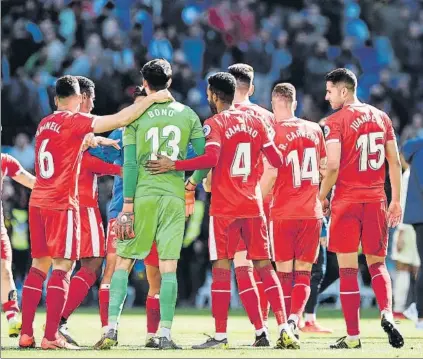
(307, 169)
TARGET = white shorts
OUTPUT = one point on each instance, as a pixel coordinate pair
(409, 254)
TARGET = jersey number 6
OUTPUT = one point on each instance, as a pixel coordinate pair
(45, 161)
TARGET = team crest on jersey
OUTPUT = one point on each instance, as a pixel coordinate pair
(326, 130)
(206, 130)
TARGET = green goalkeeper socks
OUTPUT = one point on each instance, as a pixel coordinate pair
(118, 290)
(168, 295)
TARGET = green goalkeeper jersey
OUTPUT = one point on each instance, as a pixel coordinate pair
(164, 129)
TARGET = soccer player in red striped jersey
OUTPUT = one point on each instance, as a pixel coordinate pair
(12, 168)
(360, 139)
(54, 207)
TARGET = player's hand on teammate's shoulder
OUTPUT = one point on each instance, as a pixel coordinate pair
(162, 96)
(163, 164)
(394, 214)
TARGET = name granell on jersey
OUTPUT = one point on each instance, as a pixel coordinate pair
(240, 127)
(52, 126)
(291, 136)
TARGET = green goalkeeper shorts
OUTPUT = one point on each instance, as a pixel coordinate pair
(159, 218)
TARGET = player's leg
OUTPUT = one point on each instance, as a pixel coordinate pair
(400, 288)
(419, 282)
(224, 235)
(344, 235)
(375, 244)
(169, 238)
(248, 293)
(254, 232)
(8, 288)
(33, 285)
(152, 305)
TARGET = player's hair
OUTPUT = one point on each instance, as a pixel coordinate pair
(343, 75)
(85, 84)
(285, 90)
(157, 73)
(223, 85)
(139, 91)
(67, 86)
(243, 73)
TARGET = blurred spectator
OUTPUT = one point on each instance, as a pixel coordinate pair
(23, 151)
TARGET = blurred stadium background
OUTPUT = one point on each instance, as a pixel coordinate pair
(286, 40)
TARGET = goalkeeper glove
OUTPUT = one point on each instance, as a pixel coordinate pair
(189, 197)
(124, 225)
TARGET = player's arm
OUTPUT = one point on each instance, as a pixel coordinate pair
(332, 169)
(269, 149)
(101, 167)
(392, 156)
(25, 178)
(268, 178)
(129, 114)
(108, 153)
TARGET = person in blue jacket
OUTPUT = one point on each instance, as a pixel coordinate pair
(413, 214)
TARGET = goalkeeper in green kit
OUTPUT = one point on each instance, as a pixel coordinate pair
(154, 206)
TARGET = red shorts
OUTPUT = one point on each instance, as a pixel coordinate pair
(111, 237)
(54, 233)
(354, 223)
(153, 258)
(6, 248)
(93, 242)
(226, 233)
(295, 239)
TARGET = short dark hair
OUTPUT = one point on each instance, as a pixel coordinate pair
(85, 84)
(223, 85)
(139, 91)
(67, 86)
(242, 72)
(343, 75)
(285, 90)
(157, 73)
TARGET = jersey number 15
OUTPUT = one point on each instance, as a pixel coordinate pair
(367, 145)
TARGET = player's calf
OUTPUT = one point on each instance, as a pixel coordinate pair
(153, 305)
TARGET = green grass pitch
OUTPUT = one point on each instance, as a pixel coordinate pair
(190, 325)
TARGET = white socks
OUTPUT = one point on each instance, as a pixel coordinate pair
(220, 336)
(165, 332)
(310, 317)
(401, 287)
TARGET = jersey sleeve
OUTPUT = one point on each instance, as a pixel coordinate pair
(212, 132)
(197, 130)
(390, 133)
(129, 135)
(82, 124)
(97, 166)
(333, 130)
(10, 165)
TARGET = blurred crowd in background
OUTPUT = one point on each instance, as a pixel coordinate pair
(295, 41)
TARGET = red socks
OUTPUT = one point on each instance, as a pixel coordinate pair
(381, 283)
(264, 303)
(249, 295)
(153, 314)
(57, 290)
(350, 299)
(103, 304)
(221, 297)
(79, 286)
(300, 292)
(31, 296)
(11, 308)
(286, 280)
(273, 292)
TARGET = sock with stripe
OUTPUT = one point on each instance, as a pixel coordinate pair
(168, 296)
(57, 291)
(152, 307)
(300, 294)
(118, 292)
(221, 299)
(264, 303)
(286, 280)
(103, 305)
(79, 287)
(350, 299)
(273, 291)
(11, 308)
(31, 296)
(382, 286)
(249, 295)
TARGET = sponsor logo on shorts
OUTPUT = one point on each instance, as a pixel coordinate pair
(206, 130)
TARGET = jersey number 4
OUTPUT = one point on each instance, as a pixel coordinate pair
(367, 145)
(307, 170)
(171, 133)
(241, 164)
(45, 161)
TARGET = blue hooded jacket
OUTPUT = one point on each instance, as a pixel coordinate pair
(413, 154)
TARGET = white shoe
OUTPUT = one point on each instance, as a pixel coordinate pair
(411, 313)
(419, 325)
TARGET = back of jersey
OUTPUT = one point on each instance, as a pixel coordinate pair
(164, 129)
(363, 132)
(235, 181)
(58, 144)
(297, 185)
